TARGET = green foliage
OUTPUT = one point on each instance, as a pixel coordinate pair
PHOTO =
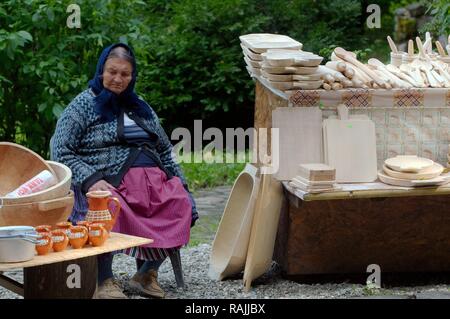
(440, 10)
(208, 175)
(189, 58)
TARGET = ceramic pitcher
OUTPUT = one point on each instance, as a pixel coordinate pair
(99, 212)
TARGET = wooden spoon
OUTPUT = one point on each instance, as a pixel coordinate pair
(392, 44)
(440, 49)
(342, 53)
(428, 45)
(404, 76)
(397, 82)
(424, 66)
(410, 47)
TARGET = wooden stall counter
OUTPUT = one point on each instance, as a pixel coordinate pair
(48, 276)
(401, 230)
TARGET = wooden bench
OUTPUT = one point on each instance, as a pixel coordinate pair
(71, 273)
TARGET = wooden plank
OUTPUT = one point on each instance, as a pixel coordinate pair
(115, 242)
(11, 285)
(421, 191)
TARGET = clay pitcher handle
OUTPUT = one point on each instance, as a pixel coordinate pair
(85, 232)
(117, 210)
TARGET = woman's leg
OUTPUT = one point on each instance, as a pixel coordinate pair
(104, 267)
(150, 265)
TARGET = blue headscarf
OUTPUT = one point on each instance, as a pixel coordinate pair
(108, 103)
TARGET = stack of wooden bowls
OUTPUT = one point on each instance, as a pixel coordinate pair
(50, 206)
(412, 171)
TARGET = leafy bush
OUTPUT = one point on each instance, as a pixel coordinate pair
(189, 58)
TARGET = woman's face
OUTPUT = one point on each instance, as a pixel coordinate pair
(117, 74)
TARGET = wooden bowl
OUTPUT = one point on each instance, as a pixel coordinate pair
(61, 189)
(18, 164)
(47, 212)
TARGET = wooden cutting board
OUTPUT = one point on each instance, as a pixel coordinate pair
(300, 138)
(261, 42)
(350, 147)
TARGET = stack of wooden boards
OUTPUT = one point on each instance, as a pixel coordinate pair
(253, 45)
(280, 62)
(412, 171)
(315, 178)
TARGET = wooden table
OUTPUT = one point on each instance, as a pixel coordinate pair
(343, 232)
(71, 273)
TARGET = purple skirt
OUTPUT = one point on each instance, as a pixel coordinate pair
(154, 207)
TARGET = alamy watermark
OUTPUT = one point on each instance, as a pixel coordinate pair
(227, 147)
(74, 19)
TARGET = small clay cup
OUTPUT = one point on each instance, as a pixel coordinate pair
(78, 236)
(43, 228)
(66, 226)
(60, 240)
(98, 234)
(44, 243)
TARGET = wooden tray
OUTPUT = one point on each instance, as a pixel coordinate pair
(291, 58)
(253, 71)
(408, 163)
(432, 172)
(299, 85)
(440, 180)
(301, 70)
(261, 42)
(253, 64)
(290, 77)
(250, 54)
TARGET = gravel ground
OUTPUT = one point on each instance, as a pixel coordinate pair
(270, 286)
(195, 262)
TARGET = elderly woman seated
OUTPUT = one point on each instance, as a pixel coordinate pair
(112, 140)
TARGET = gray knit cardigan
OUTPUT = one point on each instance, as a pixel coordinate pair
(95, 150)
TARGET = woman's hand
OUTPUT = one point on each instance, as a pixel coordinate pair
(101, 185)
